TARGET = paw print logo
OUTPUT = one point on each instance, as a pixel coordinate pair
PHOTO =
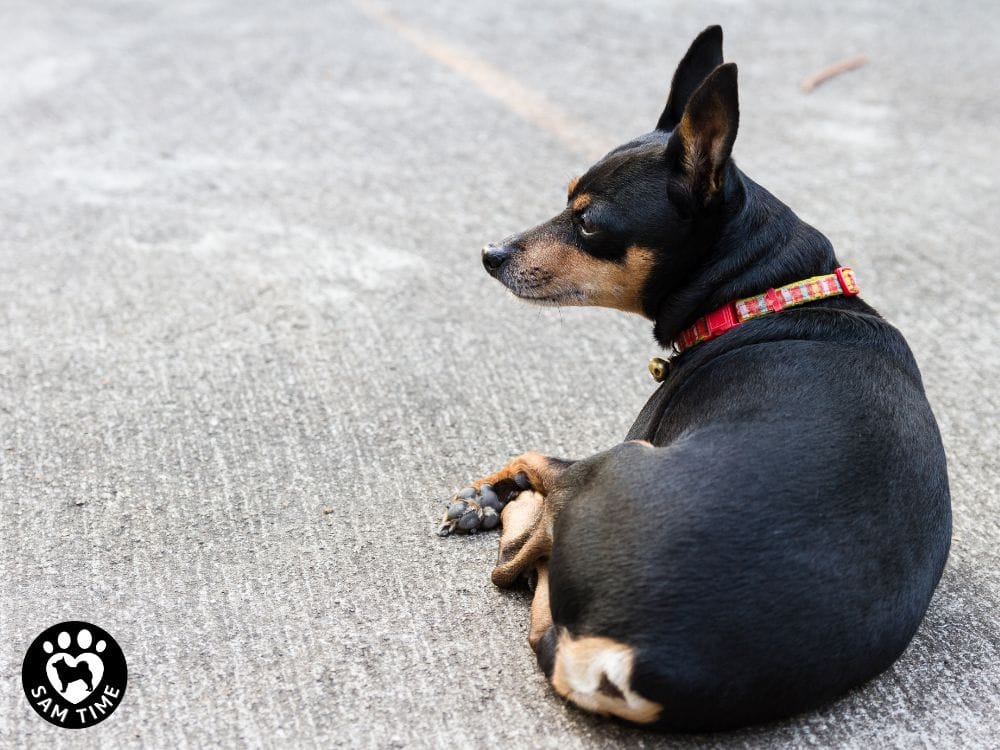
(75, 677)
(74, 674)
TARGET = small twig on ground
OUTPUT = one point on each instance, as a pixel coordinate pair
(811, 82)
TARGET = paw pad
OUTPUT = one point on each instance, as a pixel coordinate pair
(471, 511)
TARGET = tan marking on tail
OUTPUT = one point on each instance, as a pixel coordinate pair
(590, 670)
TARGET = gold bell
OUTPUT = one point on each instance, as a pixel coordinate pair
(659, 369)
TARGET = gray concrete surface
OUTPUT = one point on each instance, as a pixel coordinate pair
(246, 345)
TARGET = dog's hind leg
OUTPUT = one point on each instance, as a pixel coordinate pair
(593, 672)
(541, 612)
(526, 540)
(521, 542)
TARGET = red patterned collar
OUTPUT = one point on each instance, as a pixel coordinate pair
(732, 314)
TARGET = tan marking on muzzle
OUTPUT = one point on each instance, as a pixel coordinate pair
(612, 284)
(587, 280)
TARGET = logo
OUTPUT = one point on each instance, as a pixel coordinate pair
(74, 675)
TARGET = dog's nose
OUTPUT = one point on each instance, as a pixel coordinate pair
(494, 256)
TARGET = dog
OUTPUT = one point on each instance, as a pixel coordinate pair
(770, 532)
(70, 674)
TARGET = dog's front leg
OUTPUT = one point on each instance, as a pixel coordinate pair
(477, 507)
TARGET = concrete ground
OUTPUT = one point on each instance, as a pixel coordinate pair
(247, 347)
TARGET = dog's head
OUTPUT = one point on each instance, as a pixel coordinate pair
(630, 221)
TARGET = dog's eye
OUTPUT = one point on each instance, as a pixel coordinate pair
(587, 226)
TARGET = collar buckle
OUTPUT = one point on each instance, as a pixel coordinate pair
(845, 276)
(722, 320)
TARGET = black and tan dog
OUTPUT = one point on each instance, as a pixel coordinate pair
(771, 531)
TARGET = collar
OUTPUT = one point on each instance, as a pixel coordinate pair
(839, 283)
(732, 314)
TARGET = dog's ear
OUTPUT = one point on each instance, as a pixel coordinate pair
(703, 56)
(702, 142)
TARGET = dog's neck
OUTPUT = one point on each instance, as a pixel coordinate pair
(751, 242)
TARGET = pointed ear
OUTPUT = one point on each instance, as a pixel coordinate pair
(703, 56)
(702, 142)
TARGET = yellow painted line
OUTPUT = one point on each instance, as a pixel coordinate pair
(499, 86)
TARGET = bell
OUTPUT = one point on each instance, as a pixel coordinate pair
(659, 368)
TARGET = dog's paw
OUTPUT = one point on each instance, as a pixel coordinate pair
(478, 506)
(473, 510)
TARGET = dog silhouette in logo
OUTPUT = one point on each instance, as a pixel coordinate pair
(69, 674)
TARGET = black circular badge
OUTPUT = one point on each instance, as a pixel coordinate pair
(74, 675)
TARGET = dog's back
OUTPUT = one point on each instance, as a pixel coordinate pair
(785, 545)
